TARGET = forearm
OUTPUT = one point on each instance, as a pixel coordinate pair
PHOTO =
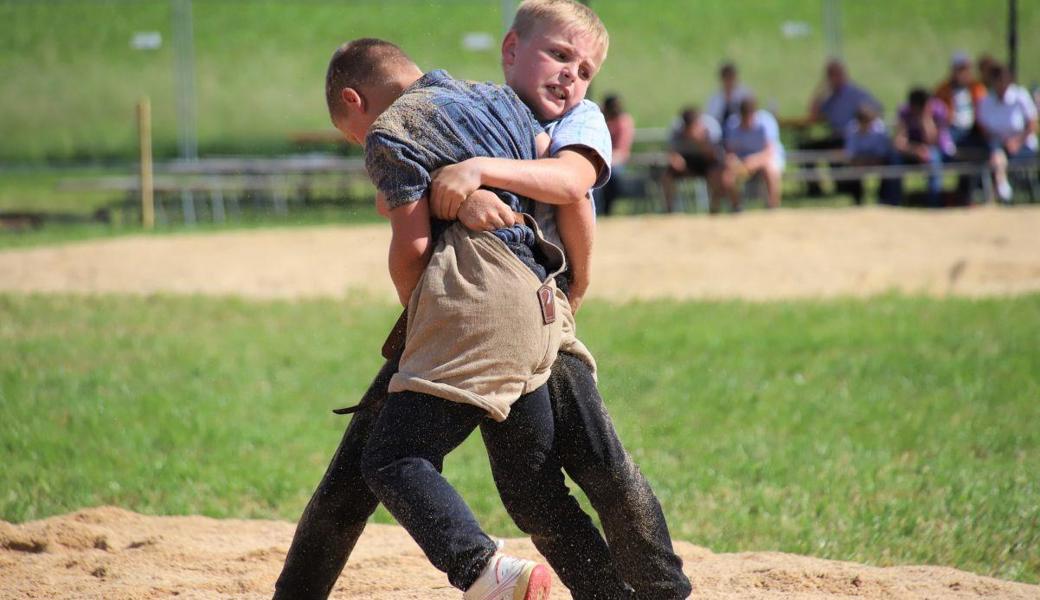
(1031, 128)
(409, 246)
(931, 132)
(564, 179)
(765, 155)
(623, 144)
(577, 226)
(407, 261)
(381, 206)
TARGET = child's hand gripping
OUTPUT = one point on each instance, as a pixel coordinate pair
(455, 194)
(451, 186)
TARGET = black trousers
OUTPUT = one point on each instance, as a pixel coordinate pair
(590, 452)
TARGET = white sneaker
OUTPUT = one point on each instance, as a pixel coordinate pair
(509, 578)
(1004, 191)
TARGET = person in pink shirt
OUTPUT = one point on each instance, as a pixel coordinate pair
(622, 132)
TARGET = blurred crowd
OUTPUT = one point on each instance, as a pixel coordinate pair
(976, 113)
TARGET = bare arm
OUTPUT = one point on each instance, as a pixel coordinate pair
(577, 226)
(623, 143)
(1015, 142)
(381, 206)
(562, 179)
(409, 246)
(931, 130)
(900, 141)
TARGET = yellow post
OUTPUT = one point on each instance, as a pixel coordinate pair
(144, 129)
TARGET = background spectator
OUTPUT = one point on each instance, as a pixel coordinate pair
(726, 101)
(961, 93)
(1008, 117)
(835, 103)
(985, 63)
(923, 137)
(753, 148)
(693, 152)
(867, 143)
(622, 132)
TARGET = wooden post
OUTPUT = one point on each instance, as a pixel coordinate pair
(1012, 38)
(144, 129)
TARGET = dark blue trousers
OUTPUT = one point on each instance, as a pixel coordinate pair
(590, 452)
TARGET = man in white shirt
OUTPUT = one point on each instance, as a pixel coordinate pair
(726, 101)
(1008, 118)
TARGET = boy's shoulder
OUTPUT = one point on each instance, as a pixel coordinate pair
(585, 111)
(583, 125)
(418, 103)
(424, 102)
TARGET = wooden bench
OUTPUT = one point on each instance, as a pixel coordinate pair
(649, 165)
(222, 183)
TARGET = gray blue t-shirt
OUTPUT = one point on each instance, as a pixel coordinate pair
(871, 143)
(440, 121)
(762, 131)
(584, 126)
(840, 107)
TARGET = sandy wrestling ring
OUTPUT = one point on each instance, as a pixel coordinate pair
(110, 553)
(113, 554)
(758, 256)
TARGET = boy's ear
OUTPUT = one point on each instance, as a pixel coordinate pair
(509, 44)
(352, 100)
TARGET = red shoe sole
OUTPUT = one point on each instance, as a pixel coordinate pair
(539, 583)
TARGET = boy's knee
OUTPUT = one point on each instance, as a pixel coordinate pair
(611, 476)
(373, 461)
(524, 513)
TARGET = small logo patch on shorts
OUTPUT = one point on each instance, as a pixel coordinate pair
(547, 300)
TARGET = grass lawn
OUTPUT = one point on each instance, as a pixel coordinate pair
(70, 79)
(893, 430)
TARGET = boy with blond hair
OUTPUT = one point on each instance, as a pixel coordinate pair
(550, 55)
(584, 440)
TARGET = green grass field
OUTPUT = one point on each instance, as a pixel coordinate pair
(70, 79)
(894, 430)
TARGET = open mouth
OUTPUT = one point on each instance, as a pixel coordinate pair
(557, 92)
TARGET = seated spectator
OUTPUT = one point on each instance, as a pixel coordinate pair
(923, 137)
(835, 103)
(961, 94)
(726, 101)
(753, 148)
(984, 64)
(693, 152)
(867, 143)
(622, 132)
(1008, 118)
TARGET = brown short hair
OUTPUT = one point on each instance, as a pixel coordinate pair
(360, 63)
(566, 13)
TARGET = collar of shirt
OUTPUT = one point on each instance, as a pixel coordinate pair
(429, 79)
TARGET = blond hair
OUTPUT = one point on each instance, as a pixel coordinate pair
(533, 14)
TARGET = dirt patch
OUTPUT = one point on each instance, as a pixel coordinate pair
(197, 557)
(758, 256)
